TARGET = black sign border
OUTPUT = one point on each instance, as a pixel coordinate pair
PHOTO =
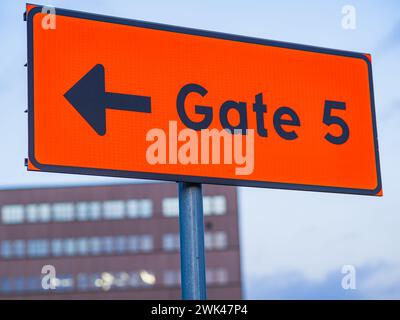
(177, 178)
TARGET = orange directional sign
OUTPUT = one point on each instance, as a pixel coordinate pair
(127, 98)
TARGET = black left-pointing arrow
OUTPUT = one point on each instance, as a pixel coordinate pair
(89, 97)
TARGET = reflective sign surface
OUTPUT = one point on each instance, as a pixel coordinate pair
(126, 98)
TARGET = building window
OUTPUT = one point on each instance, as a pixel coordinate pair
(63, 212)
(170, 207)
(134, 279)
(95, 246)
(69, 247)
(171, 278)
(221, 276)
(57, 247)
(139, 208)
(114, 210)
(94, 281)
(82, 281)
(121, 279)
(145, 208)
(215, 205)
(120, 244)
(64, 283)
(220, 240)
(208, 243)
(219, 205)
(88, 211)
(6, 249)
(33, 283)
(38, 248)
(215, 240)
(133, 243)
(6, 285)
(146, 243)
(12, 249)
(38, 213)
(12, 214)
(171, 242)
(207, 207)
(132, 209)
(217, 276)
(82, 246)
(19, 284)
(107, 245)
(19, 248)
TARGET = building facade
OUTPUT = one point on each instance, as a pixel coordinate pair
(111, 242)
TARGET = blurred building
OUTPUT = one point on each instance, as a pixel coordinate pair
(111, 242)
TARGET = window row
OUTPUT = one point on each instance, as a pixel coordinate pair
(82, 282)
(103, 281)
(11, 249)
(214, 276)
(95, 210)
(212, 241)
(212, 205)
(75, 246)
(80, 211)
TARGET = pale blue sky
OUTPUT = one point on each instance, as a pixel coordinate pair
(294, 243)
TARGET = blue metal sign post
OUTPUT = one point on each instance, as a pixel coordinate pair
(193, 271)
